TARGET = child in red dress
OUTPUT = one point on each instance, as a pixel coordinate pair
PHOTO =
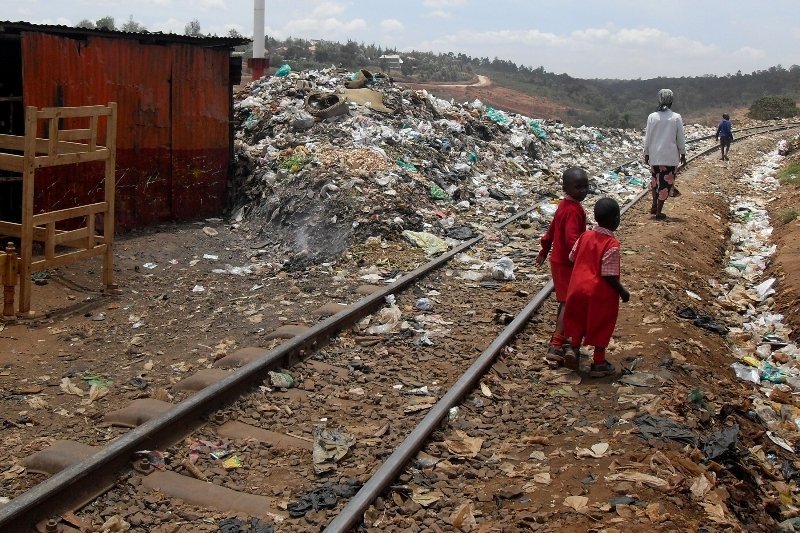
(568, 223)
(592, 303)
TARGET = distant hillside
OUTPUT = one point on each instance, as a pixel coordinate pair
(538, 93)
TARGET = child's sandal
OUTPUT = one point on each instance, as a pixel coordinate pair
(601, 370)
(572, 359)
(555, 356)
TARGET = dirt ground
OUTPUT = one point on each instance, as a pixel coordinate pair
(560, 452)
(174, 313)
(784, 210)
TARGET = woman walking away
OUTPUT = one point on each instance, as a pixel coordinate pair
(664, 150)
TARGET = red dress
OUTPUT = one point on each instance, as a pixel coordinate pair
(569, 221)
(592, 304)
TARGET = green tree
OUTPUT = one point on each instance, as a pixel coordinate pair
(85, 23)
(770, 107)
(407, 67)
(106, 23)
(234, 33)
(192, 28)
(132, 26)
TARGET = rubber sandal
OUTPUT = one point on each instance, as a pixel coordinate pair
(603, 369)
(555, 356)
(572, 359)
(652, 210)
(660, 216)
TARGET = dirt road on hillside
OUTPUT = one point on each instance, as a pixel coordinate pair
(499, 97)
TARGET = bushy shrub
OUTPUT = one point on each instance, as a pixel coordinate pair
(770, 107)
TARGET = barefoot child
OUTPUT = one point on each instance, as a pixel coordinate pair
(592, 304)
(568, 223)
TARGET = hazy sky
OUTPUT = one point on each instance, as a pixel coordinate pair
(583, 38)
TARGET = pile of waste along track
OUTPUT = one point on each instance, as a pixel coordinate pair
(328, 158)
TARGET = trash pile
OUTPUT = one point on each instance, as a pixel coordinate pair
(326, 158)
(766, 357)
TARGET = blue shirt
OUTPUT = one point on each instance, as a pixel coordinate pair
(725, 129)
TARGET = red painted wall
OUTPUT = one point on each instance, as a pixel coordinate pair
(173, 108)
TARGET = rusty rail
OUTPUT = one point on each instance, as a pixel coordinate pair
(70, 487)
(394, 464)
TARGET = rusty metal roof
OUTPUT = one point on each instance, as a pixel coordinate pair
(12, 28)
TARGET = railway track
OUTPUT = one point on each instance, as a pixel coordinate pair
(384, 404)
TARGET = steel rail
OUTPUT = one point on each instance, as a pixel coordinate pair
(407, 449)
(77, 484)
(69, 488)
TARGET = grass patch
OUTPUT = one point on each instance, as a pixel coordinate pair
(788, 216)
(790, 174)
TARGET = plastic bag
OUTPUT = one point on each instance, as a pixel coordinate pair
(537, 129)
(771, 373)
(406, 165)
(427, 241)
(496, 116)
(437, 193)
(283, 71)
(388, 317)
(504, 269)
(747, 373)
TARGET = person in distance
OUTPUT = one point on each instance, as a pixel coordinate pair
(725, 136)
(664, 150)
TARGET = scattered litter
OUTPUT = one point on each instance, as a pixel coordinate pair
(463, 445)
(638, 477)
(234, 525)
(114, 524)
(281, 380)
(721, 442)
(596, 451)
(232, 462)
(579, 504)
(780, 442)
(746, 372)
(325, 497)
(463, 518)
(503, 270)
(425, 497)
(157, 459)
(329, 447)
(429, 242)
(70, 388)
(657, 427)
(424, 304)
(640, 379)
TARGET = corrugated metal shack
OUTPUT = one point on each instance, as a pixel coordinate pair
(174, 97)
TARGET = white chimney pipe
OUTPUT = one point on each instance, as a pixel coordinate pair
(258, 28)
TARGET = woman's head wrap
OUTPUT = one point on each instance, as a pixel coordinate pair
(664, 99)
